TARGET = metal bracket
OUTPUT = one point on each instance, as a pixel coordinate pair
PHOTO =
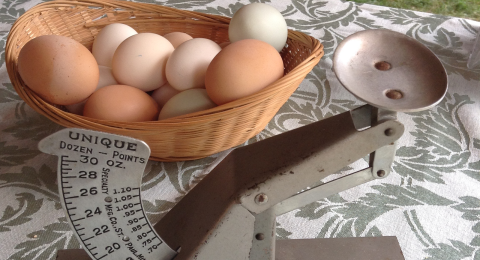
(323, 191)
(264, 230)
(323, 160)
(382, 159)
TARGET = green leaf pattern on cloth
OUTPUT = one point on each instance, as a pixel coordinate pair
(430, 201)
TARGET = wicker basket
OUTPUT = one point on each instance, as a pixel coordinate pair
(181, 138)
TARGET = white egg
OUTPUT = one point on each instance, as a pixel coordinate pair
(107, 41)
(140, 61)
(185, 102)
(106, 77)
(188, 64)
(259, 21)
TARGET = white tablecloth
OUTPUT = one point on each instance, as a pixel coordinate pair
(431, 200)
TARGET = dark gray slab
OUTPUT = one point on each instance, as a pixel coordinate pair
(364, 248)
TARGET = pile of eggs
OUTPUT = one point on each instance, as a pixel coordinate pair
(134, 77)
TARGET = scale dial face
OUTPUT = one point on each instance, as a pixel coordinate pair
(99, 176)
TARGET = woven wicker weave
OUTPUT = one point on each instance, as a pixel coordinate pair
(186, 137)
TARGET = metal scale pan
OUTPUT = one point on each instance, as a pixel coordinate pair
(390, 70)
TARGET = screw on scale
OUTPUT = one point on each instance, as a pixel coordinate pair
(231, 213)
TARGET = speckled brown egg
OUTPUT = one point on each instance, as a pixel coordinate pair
(242, 69)
(121, 103)
(59, 69)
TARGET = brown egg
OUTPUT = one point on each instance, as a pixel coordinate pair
(177, 38)
(59, 69)
(163, 94)
(121, 103)
(241, 69)
(106, 79)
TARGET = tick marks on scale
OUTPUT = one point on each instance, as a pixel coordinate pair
(98, 188)
(65, 160)
(102, 257)
(88, 238)
(75, 220)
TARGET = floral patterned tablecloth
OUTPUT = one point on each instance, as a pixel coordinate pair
(431, 200)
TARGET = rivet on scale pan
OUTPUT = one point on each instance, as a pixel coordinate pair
(390, 70)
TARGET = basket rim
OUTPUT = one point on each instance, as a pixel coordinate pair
(56, 114)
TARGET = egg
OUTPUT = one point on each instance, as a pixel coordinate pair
(241, 69)
(177, 38)
(106, 79)
(224, 44)
(187, 66)
(185, 102)
(140, 61)
(163, 94)
(59, 69)
(76, 108)
(107, 41)
(121, 103)
(259, 21)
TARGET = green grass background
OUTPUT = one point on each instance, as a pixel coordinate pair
(458, 8)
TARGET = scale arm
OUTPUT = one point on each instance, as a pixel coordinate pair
(320, 192)
(276, 168)
(381, 161)
(305, 157)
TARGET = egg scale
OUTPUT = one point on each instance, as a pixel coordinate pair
(231, 213)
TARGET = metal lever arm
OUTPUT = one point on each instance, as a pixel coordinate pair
(319, 152)
(323, 191)
(381, 161)
(277, 167)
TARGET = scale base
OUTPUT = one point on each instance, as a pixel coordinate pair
(352, 248)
